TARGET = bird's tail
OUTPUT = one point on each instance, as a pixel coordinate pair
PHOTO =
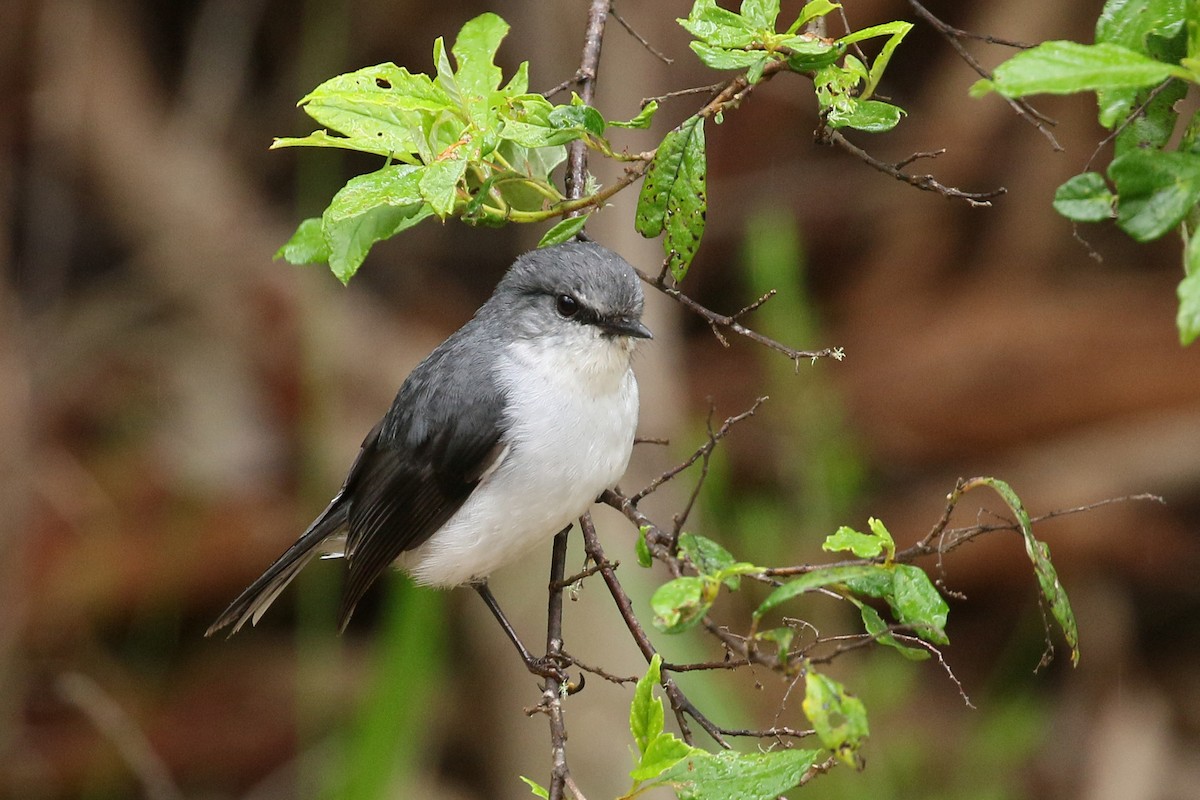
(252, 602)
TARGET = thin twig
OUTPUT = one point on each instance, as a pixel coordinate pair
(776, 732)
(612, 10)
(589, 67)
(701, 452)
(1133, 115)
(712, 88)
(755, 305)
(651, 440)
(954, 37)
(601, 672)
(925, 182)
(730, 322)
(682, 707)
(707, 666)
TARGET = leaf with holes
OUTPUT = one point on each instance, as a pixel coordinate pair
(681, 603)
(673, 200)
(839, 718)
(730, 775)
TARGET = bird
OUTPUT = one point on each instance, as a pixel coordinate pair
(501, 437)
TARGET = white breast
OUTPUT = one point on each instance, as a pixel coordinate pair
(572, 413)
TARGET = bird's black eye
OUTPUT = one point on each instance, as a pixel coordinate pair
(567, 306)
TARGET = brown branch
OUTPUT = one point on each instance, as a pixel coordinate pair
(730, 322)
(553, 692)
(954, 37)
(680, 704)
(703, 451)
(776, 732)
(710, 89)
(924, 182)
(576, 178)
(601, 672)
(589, 67)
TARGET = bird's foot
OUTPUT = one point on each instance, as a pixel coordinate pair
(554, 667)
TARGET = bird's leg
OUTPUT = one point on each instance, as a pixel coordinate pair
(538, 666)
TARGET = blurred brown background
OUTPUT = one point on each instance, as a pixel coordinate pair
(176, 406)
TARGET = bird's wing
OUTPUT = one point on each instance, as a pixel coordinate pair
(419, 468)
(255, 598)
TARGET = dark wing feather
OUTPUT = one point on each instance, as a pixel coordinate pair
(416, 467)
(441, 435)
(259, 595)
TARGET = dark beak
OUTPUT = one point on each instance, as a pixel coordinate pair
(632, 328)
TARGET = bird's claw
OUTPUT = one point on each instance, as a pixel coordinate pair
(553, 667)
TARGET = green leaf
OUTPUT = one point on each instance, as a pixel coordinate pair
(714, 562)
(755, 73)
(662, 752)
(578, 117)
(1188, 318)
(1156, 190)
(518, 84)
(875, 625)
(863, 545)
(810, 53)
(564, 230)
(895, 31)
(475, 53)
(536, 123)
(307, 245)
(370, 208)
(378, 109)
(1062, 67)
(838, 717)
(537, 789)
(1130, 22)
(714, 25)
(673, 199)
(872, 116)
(1085, 198)
(817, 579)
(760, 13)
(707, 556)
(730, 775)
(646, 711)
(812, 10)
(642, 120)
(642, 547)
(324, 139)
(782, 637)
(1153, 126)
(439, 184)
(918, 603)
(681, 603)
(536, 162)
(723, 58)
(1039, 554)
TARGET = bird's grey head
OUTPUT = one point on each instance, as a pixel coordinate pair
(570, 291)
